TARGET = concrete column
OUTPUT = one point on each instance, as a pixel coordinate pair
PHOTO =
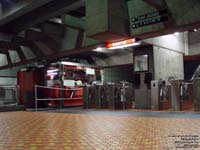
(175, 94)
(107, 19)
(196, 87)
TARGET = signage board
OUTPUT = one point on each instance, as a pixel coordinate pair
(150, 18)
(122, 44)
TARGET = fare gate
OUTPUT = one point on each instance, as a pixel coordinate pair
(89, 96)
(108, 96)
(160, 95)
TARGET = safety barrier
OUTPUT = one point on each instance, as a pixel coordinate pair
(53, 94)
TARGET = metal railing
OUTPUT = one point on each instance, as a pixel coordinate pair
(46, 96)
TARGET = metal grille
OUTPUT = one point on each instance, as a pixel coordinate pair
(8, 95)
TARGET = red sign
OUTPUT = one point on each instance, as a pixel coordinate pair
(121, 43)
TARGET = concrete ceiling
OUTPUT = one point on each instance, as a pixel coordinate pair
(52, 29)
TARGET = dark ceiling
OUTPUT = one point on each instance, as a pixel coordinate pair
(80, 12)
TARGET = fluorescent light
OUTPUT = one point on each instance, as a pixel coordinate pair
(51, 71)
(69, 63)
(127, 45)
(99, 48)
(176, 33)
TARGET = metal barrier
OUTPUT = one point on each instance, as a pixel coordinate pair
(8, 95)
(47, 96)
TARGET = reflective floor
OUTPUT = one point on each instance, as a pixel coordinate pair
(67, 131)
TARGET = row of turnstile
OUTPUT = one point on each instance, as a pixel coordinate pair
(176, 95)
(108, 96)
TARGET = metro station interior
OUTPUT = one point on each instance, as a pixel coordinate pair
(99, 75)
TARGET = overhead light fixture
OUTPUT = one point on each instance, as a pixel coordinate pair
(52, 74)
(98, 49)
(195, 30)
(123, 44)
(52, 71)
(69, 63)
(176, 33)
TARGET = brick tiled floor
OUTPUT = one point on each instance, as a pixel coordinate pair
(59, 131)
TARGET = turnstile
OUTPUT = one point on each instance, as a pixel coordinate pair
(101, 96)
(160, 95)
(115, 96)
(108, 96)
(181, 95)
(89, 97)
(155, 96)
(175, 94)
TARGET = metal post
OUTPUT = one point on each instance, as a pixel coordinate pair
(36, 98)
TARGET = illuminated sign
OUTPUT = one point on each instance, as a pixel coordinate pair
(123, 44)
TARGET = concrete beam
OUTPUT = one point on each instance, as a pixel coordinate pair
(27, 7)
(5, 37)
(45, 38)
(18, 64)
(8, 59)
(8, 45)
(36, 50)
(53, 28)
(107, 20)
(45, 12)
(20, 40)
(21, 54)
(73, 22)
(55, 57)
(32, 35)
(158, 4)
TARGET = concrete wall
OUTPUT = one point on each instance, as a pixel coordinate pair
(172, 42)
(119, 59)
(168, 55)
(118, 73)
(167, 63)
(194, 43)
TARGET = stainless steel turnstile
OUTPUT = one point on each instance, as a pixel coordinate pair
(160, 95)
(89, 96)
